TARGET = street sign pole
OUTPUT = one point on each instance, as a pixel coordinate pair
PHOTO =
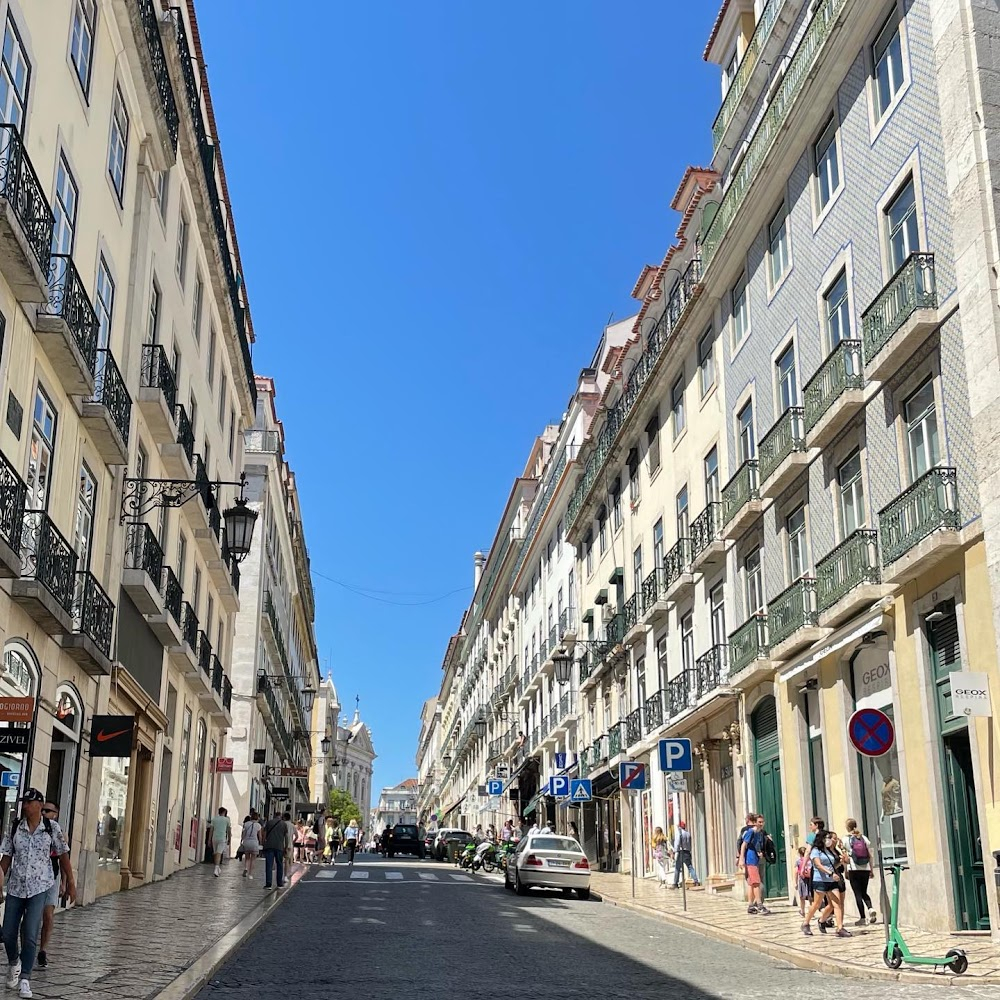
(883, 891)
(684, 883)
(631, 809)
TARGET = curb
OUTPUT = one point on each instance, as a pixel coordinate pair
(792, 956)
(198, 973)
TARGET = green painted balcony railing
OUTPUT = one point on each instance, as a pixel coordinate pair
(653, 711)
(630, 613)
(584, 762)
(929, 505)
(912, 287)
(677, 561)
(652, 587)
(799, 70)
(748, 643)
(842, 370)
(740, 490)
(615, 739)
(788, 435)
(794, 608)
(853, 562)
(762, 32)
(706, 528)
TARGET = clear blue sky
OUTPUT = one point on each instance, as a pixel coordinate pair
(439, 206)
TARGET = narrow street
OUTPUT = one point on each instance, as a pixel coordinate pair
(411, 929)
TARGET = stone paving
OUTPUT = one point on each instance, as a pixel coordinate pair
(779, 935)
(133, 944)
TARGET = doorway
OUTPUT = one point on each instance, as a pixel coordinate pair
(64, 756)
(162, 812)
(767, 772)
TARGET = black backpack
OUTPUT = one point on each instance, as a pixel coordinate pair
(770, 852)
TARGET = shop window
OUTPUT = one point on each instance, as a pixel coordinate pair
(814, 736)
(64, 755)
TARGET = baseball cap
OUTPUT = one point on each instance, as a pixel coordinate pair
(32, 795)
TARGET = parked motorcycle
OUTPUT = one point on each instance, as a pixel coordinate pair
(485, 857)
(466, 857)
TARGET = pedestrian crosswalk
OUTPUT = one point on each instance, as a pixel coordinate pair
(379, 874)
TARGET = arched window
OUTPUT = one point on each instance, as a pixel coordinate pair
(69, 711)
(64, 753)
(20, 670)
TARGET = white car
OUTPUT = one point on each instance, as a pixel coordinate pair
(548, 861)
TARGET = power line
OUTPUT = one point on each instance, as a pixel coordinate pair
(369, 594)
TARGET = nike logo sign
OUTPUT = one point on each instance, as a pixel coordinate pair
(103, 737)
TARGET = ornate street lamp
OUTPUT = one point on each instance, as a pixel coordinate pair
(239, 521)
(563, 663)
(324, 745)
(446, 759)
(308, 697)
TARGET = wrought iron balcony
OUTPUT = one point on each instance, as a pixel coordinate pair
(852, 563)
(189, 628)
(794, 608)
(842, 370)
(93, 612)
(158, 62)
(567, 621)
(677, 562)
(584, 760)
(204, 654)
(929, 505)
(740, 490)
(683, 292)
(633, 727)
(748, 643)
(173, 596)
(706, 528)
(217, 674)
(110, 392)
(20, 187)
(277, 719)
(615, 740)
(13, 493)
(204, 483)
(653, 711)
(788, 435)
(143, 552)
(156, 373)
(227, 693)
(680, 693)
(771, 122)
(712, 669)
(185, 432)
(47, 557)
(652, 587)
(600, 749)
(630, 614)
(587, 664)
(68, 300)
(912, 287)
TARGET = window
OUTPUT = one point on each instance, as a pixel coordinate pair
(744, 430)
(817, 775)
(118, 146)
(712, 476)
(640, 681)
(901, 223)
(199, 294)
(181, 558)
(232, 432)
(687, 642)
(777, 245)
(677, 405)
(83, 528)
(559, 523)
(887, 59)
(653, 443)
(602, 529)
(827, 164)
(852, 495)
(180, 261)
(153, 316)
(788, 394)
(633, 476)
(41, 451)
(64, 209)
(717, 604)
(798, 557)
(706, 361)
(658, 544)
(740, 310)
(14, 76)
(588, 550)
(193, 414)
(753, 582)
(729, 73)
(682, 512)
(211, 357)
(104, 303)
(81, 42)
(162, 191)
(616, 504)
(838, 311)
(176, 366)
(637, 570)
(919, 414)
(196, 599)
(661, 660)
(223, 397)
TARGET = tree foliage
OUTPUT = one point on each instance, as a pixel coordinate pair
(342, 807)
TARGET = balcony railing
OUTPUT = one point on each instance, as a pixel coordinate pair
(567, 621)
(853, 562)
(185, 432)
(587, 664)
(652, 587)
(748, 643)
(173, 596)
(842, 370)
(633, 727)
(261, 442)
(158, 60)
(13, 493)
(794, 608)
(737, 88)
(156, 373)
(68, 300)
(189, 628)
(203, 482)
(705, 528)
(740, 490)
(615, 739)
(266, 688)
(93, 612)
(912, 287)
(630, 613)
(786, 436)
(204, 654)
(143, 552)
(227, 693)
(771, 122)
(930, 504)
(110, 392)
(681, 294)
(47, 557)
(20, 186)
(217, 674)
(712, 669)
(584, 760)
(677, 561)
(679, 692)
(653, 711)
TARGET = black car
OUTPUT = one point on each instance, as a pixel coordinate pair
(404, 838)
(446, 836)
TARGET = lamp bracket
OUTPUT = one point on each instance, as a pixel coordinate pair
(140, 496)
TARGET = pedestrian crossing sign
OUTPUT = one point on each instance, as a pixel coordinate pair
(580, 790)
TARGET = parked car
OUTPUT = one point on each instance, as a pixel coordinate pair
(446, 836)
(404, 838)
(546, 861)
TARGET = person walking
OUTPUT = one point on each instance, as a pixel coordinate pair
(825, 857)
(351, 835)
(859, 872)
(276, 841)
(50, 811)
(250, 843)
(752, 862)
(661, 855)
(26, 866)
(222, 835)
(803, 879)
(319, 828)
(332, 838)
(817, 828)
(682, 855)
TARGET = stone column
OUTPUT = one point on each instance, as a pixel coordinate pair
(712, 771)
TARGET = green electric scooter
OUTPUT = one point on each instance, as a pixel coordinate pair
(896, 951)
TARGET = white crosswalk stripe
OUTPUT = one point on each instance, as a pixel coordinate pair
(326, 874)
(382, 875)
(428, 876)
(393, 875)
(462, 878)
(359, 874)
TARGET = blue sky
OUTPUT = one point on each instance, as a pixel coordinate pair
(438, 206)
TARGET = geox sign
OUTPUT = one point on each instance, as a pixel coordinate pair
(970, 695)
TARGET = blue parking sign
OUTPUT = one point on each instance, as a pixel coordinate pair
(675, 755)
(494, 786)
(559, 786)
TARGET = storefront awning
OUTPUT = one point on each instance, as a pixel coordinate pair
(520, 767)
(533, 803)
(839, 639)
(444, 815)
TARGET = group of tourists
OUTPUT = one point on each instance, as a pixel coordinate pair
(673, 857)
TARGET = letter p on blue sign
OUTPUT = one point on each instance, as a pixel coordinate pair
(675, 755)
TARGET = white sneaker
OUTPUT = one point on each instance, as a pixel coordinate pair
(13, 974)
(250, 877)
(218, 871)
(25, 989)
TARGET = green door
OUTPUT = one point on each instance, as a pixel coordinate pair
(968, 870)
(767, 769)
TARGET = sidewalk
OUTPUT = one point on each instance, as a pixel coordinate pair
(724, 918)
(132, 945)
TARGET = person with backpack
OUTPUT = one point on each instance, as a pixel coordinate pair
(682, 855)
(277, 841)
(859, 872)
(752, 856)
(26, 866)
(826, 857)
(803, 879)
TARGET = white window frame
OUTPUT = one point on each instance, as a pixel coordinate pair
(797, 543)
(181, 250)
(896, 49)
(65, 206)
(81, 42)
(104, 301)
(677, 415)
(786, 378)
(779, 249)
(706, 362)
(739, 311)
(13, 62)
(837, 311)
(909, 225)
(852, 487)
(118, 144)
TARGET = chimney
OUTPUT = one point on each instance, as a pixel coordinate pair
(479, 561)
